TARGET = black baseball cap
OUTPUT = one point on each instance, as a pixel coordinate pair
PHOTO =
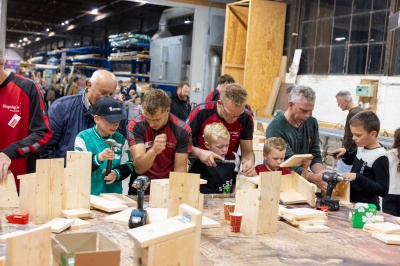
(109, 109)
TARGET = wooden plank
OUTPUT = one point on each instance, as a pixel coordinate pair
(382, 228)
(15, 233)
(106, 205)
(80, 224)
(292, 219)
(269, 108)
(388, 238)
(260, 206)
(265, 38)
(183, 189)
(292, 197)
(59, 224)
(115, 197)
(269, 190)
(151, 234)
(77, 179)
(318, 228)
(27, 194)
(48, 190)
(303, 212)
(159, 189)
(177, 251)
(309, 222)
(31, 248)
(76, 213)
(283, 68)
(295, 160)
(8, 192)
(305, 188)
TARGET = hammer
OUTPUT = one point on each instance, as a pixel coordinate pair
(112, 144)
(236, 161)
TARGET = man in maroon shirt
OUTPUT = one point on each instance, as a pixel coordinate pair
(229, 110)
(159, 141)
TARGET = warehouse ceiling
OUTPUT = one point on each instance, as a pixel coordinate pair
(31, 19)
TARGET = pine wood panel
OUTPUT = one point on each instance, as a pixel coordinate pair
(48, 189)
(77, 179)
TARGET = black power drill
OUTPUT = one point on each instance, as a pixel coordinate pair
(139, 215)
(331, 178)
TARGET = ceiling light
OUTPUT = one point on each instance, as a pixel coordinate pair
(62, 24)
(95, 11)
(187, 21)
(47, 29)
(25, 39)
(20, 40)
(66, 22)
(339, 39)
(19, 45)
(12, 45)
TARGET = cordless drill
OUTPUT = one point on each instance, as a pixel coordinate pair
(139, 215)
(331, 178)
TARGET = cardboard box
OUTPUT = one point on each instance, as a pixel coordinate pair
(81, 249)
(363, 213)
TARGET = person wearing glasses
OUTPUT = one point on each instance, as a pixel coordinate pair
(300, 132)
(159, 141)
(70, 115)
(230, 111)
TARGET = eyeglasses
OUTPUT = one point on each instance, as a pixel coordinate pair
(229, 116)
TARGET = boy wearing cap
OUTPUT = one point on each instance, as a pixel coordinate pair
(107, 115)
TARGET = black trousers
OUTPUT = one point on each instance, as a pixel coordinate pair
(391, 204)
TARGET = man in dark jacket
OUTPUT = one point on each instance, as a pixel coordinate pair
(70, 115)
(180, 103)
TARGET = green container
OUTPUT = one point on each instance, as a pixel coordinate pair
(364, 213)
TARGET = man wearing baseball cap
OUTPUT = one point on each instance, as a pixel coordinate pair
(107, 115)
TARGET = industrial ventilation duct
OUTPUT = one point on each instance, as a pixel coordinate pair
(170, 13)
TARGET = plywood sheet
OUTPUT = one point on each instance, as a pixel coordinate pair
(265, 37)
(59, 224)
(151, 234)
(115, 197)
(106, 205)
(8, 192)
(388, 238)
(383, 228)
(5, 236)
(292, 197)
(76, 213)
(303, 212)
(183, 189)
(48, 190)
(31, 248)
(295, 160)
(27, 194)
(77, 179)
(80, 224)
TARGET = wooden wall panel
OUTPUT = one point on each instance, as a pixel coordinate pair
(264, 50)
(235, 41)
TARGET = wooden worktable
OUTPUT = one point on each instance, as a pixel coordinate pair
(289, 246)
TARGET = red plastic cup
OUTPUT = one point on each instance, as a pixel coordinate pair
(236, 221)
(228, 208)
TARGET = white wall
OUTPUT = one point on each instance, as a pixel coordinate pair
(326, 87)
